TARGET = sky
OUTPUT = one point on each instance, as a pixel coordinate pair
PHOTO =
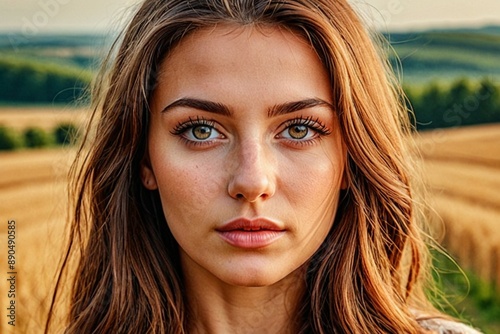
(35, 16)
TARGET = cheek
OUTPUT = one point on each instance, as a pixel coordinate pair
(187, 188)
(313, 197)
(315, 181)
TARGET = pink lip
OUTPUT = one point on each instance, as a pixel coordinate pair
(250, 234)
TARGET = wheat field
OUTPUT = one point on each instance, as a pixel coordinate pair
(461, 167)
(462, 170)
(33, 194)
(47, 118)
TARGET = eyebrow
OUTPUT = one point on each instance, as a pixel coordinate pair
(221, 109)
(289, 107)
(209, 106)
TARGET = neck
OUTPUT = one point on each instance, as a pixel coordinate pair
(217, 307)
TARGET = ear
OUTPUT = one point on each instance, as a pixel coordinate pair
(147, 175)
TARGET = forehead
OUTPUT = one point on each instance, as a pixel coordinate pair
(227, 43)
(232, 54)
(222, 35)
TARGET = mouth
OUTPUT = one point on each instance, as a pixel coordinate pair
(250, 233)
(244, 224)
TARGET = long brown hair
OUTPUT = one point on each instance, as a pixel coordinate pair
(365, 278)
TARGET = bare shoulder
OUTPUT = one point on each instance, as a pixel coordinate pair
(443, 326)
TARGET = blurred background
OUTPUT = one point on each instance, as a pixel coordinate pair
(446, 54)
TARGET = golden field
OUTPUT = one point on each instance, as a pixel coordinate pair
(462, 168)
(20, 118)
(33, 194)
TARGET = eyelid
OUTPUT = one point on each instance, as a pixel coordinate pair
(313, 123)
(183, 126)
(316, 125)
(316, 131)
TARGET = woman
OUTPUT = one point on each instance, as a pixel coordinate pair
(249, 173)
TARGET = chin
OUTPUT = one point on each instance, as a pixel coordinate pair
(249, 276)
(257, 278)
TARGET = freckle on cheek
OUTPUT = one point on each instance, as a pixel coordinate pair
(192, 186)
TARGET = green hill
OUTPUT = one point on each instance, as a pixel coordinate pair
(441, 55)
(28, 81)
(47, 69)
(447, 55)
(83, 51)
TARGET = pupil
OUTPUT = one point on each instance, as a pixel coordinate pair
(298, 131)
(202, 132)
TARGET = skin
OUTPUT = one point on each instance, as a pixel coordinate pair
(248, 158)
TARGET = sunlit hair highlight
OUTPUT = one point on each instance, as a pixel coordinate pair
(366, 276)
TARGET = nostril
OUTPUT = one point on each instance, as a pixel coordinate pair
(250, 186)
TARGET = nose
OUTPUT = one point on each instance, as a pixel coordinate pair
(253, 174)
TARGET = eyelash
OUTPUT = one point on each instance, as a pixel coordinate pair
(314, 124)
(310, 122)
(182, 127)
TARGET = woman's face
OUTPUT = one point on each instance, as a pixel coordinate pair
(246, 153)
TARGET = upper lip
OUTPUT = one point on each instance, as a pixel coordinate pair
(245, 224)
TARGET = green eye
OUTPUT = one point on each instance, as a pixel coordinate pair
(197, 131)
(303, 130)
(202, 132)
(298, 131)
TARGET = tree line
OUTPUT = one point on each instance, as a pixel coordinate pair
(26, 81)
(462, 103)
(33, 137)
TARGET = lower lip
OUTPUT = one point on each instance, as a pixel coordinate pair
(250, 239)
